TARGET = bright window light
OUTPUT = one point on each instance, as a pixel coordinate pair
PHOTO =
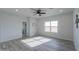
(47, 23)
(51, 26)
(54, 26)
(47, 28)
(54, 23)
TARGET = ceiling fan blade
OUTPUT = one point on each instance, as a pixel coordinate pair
(34, 12)
(43, 13)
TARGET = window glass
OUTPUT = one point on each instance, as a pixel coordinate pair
(47, 23)
(47, 28)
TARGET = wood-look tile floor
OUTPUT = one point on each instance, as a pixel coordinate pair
(37, 44)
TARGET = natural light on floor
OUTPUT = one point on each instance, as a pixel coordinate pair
(36, 41)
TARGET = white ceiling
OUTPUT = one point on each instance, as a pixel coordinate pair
(27, 12)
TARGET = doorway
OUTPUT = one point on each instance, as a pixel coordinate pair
(24, 30)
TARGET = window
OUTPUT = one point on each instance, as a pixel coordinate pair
(47, 26)
(51, 26)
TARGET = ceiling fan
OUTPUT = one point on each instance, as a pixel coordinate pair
(38, 11)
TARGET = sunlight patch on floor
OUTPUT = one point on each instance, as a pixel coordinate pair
(36, 41)
(32, 39)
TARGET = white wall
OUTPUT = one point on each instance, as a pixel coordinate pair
(76, 31)
(32, 25)
(10, 26)
(65, 26)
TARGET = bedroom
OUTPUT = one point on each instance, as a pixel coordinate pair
(38, 29)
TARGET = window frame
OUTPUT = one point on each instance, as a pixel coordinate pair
(50, 27)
